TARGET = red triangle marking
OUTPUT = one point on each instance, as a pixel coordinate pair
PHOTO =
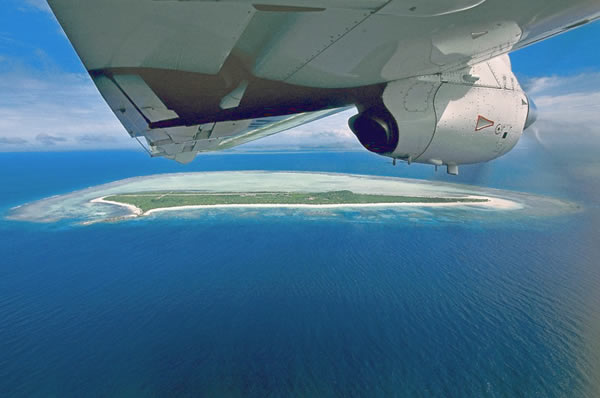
(483, 123)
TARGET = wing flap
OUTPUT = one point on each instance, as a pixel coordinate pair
(133, 121)
(135, 105)
(144, 98)
(185, 151)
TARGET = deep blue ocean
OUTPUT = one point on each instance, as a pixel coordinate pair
(255, 306)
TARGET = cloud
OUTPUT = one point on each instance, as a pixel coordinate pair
(560, 85)
(96, 138)
(12, 141)
(567, 128)
(59, 111)
(38, 5)
(575, 109)
(56, 111)
(567, 104)
(47, 139)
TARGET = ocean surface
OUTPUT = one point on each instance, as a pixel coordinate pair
(244, 304)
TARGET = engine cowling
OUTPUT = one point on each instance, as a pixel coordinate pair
(376, 129)
(471, 116)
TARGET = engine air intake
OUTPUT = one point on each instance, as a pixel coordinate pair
(375, 130)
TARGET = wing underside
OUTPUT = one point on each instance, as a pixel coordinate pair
(137, 106)
(197, 75)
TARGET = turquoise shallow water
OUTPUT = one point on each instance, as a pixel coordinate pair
(230, 304)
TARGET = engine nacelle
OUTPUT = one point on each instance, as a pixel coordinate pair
(471, 116)
(376, 129)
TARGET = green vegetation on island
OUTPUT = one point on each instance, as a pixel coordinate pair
(154, 200)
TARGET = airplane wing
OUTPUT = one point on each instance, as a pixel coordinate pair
(137, 107)
(196, 75)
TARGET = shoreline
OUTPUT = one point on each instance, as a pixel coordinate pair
(95, 205)
(135, 211)
(491, 202)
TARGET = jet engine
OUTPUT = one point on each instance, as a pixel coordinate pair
(376, 129)
(470, 116)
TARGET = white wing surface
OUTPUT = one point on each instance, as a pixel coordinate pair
(196, 75)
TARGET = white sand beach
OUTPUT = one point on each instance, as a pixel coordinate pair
(490, 202)
(90, 205)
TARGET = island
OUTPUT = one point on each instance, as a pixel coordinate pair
(146, 202)
(275, 193)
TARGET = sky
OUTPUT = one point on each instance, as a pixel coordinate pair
(48, 102)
